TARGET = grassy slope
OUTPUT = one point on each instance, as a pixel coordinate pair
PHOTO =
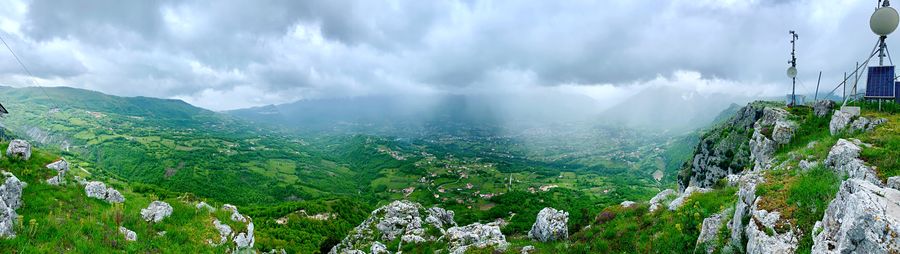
(63, 219)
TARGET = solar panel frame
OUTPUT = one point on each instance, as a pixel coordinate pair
(896, 94)
(880, 82)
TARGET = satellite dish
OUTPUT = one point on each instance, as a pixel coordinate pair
(792, 72)
(884, 21)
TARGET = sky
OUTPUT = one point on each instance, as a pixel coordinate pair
(225, 55)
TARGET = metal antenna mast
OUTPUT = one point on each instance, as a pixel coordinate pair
(792, 72)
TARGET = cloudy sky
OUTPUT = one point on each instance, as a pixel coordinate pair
(231, 54)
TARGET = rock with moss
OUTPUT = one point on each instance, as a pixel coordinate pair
(678, 201)
(762, 235)
(746, 198)
(476, 235)
(225, 232)
(660, 197)
(550, 225)
(823, 107)
(19, 149)
(862, 218)
(852, 122)
(61, 166)
(709, 232)
(130, 236)
(770, 131)
(10, 200)
(843, 158)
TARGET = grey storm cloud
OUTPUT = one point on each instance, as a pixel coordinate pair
(260, 52)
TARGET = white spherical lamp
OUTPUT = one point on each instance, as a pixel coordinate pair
(884, 21)
(792, 72)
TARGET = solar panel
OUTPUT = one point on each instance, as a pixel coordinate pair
(880, 82)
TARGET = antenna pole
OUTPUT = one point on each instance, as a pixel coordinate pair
(816, 97)
(793, 63)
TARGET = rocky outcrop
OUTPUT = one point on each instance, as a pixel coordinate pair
(746, 198)
(476, 235)
(762, 235)
(862, 218)
(99, 190)
(203, 205)
(550, 225)
(844, 159)
(678, 201)
(10, 200)
(61, 166)
(440, 218)
(852, 122)
(225, 232)
(157, 211)
(823, 107)
(627, 204)
(660, 197)
(379, 248)
(769, 132)
(527, 249)
(245, 240)
(709, 232)
(403, 220)
(130, 236)
(19, 149)
(235, 215)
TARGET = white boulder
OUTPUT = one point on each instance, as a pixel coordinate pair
(98, 190)
(156, 211)
(862, 218)
(476, 235)
(130, 236)
(843, 158)
(660, 197)
(675, 204)
(767, 239)
(10, 200)
(550, 225)
(19, 149)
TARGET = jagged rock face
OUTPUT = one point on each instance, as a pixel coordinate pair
(762, 147)
(157, 211)
(839, 121)
(398, 219)
(402, 219)
(19, 149)
(862, 218)
(440, 217)
(550, 225)
(245, 240)
(129, 235)
(99, 190)
(709, 232)
(476, 235)
(762, 236)
(746, 198)
(675, 204)
(723, 150)
(660, 197)
(843, 158)
(821, 108)
(10, 200)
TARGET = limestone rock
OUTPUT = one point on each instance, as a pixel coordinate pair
(627, 203)
(130, 236)
(894, 182)
(746, 198)
(61, 166)
(550, 225)
(157, 211)
(99, 190)
(19, 149)
(440, 217)
(843, 158)
(225, 232)
(527, 249)
(476, 235)
(821, 108)
(10, 200)
(379, 248)
(660, 197)
(204, 205)
(839, 121)
(807, 165)
(235, 215)
(245, 240)
(709, 232)
(862, 218)
(767, 239)
(675, 204)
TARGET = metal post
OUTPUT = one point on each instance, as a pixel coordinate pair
(816, 97)
(844, 86)
(855, 82)
(793, 62)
